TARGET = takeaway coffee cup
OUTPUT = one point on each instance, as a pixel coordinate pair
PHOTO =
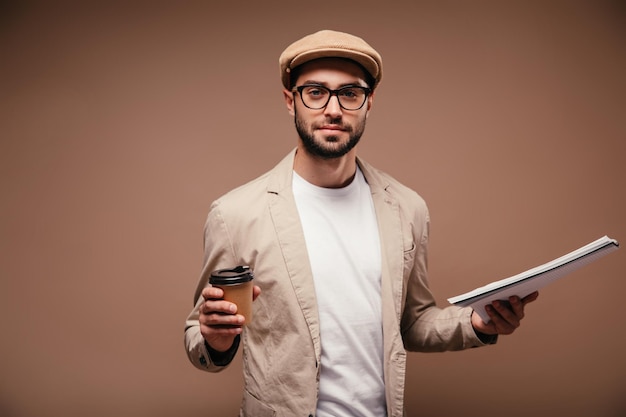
(237, 286)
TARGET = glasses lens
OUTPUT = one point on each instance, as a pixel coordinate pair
(315, 97)
(351, 98)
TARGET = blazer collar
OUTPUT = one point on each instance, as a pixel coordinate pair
(282, 175)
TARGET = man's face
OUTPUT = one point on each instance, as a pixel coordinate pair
(330, 132)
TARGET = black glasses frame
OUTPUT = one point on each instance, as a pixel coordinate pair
(332, 93)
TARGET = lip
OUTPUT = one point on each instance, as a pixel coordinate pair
(331, 127)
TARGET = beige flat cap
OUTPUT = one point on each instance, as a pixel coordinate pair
(330, 44)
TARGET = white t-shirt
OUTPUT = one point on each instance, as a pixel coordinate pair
(343, 244)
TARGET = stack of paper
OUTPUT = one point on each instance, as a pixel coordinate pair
(530, 281)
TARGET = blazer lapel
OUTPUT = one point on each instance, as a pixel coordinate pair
(390, 231)
(290, 236)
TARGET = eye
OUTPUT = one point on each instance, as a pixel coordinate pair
(315, 92)
(351, 93)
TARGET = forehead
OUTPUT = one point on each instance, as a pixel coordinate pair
(331, 70)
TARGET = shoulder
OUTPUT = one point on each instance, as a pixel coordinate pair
(253, 195)
(246, 195)
(381, 181)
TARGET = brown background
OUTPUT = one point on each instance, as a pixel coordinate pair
(119, 124)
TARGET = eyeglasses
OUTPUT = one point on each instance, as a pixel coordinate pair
(316, 97)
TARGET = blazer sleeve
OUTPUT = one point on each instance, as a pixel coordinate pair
(218, 253)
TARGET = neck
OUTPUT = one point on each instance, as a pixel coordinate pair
(327, 173)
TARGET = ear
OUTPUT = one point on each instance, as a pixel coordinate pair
(289, 101)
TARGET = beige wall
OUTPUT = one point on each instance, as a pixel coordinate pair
(119, 125)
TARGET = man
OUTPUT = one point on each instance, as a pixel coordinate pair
(338, 249)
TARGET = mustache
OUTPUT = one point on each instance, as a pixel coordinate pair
(335, 124)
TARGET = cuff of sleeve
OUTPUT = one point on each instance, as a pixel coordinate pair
(223, 358)
(481, 339)
(487, 339)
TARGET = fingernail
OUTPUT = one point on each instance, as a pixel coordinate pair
(232, 308)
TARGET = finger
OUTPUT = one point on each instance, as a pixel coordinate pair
(497, 323)
(256, 291)
(530, 297)
(505, 309)
(211, 332)
(212, 293)
(218, 307)
(501, 317)
(218, 320)
(517, 306)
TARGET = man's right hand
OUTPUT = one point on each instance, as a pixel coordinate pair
(219, 321)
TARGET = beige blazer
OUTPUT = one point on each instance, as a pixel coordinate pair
(257, 224)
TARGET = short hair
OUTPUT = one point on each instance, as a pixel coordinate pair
(295, 73)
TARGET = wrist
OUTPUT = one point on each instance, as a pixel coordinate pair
(220, 358)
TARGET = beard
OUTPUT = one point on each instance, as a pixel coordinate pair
(328, 147)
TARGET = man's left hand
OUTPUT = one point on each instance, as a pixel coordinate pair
(505, 317)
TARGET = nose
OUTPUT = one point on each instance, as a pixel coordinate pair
(333, 109)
